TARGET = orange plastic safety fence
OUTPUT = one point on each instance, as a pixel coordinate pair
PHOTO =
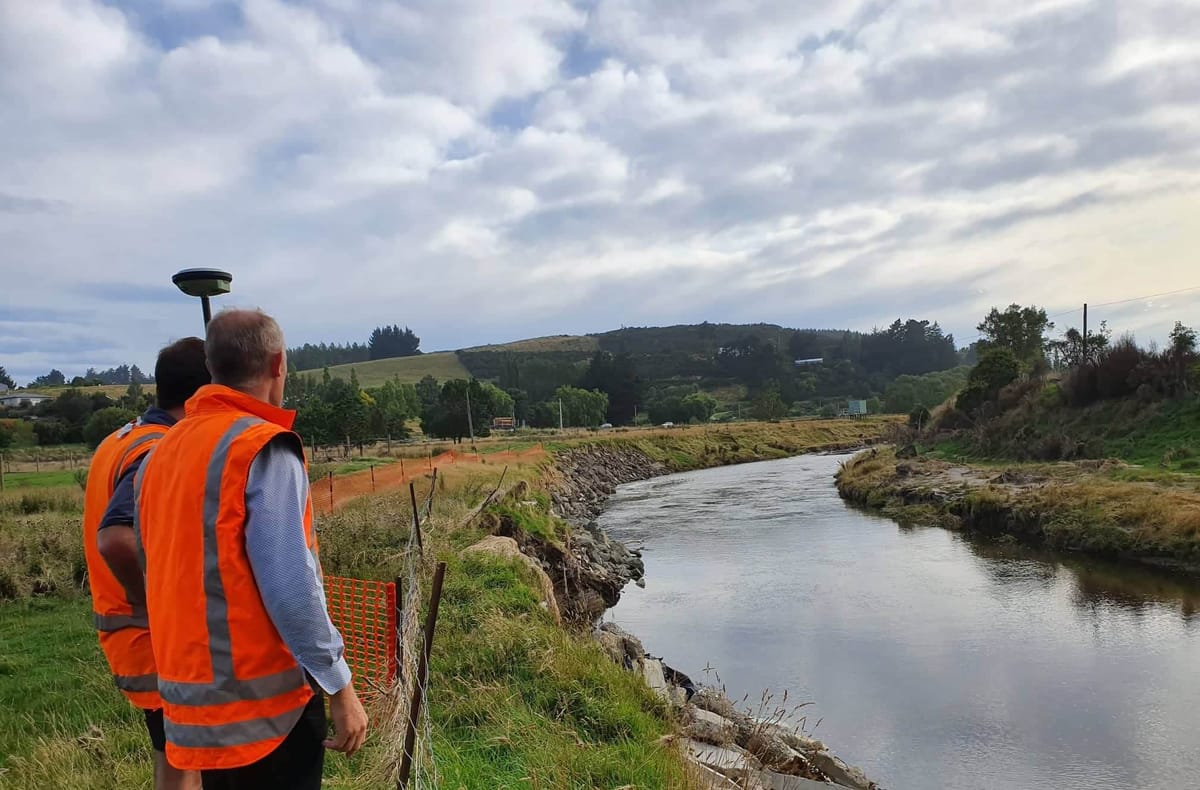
(365, 613)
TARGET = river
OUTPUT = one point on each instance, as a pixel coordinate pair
(931, 661)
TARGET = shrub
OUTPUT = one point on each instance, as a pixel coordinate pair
(1051, 396)
(104, 422)
(1115, 369)
(918, 418)
(971, 398)
(1011, 395)
(952, 419)
(997, 368)
(50, 431)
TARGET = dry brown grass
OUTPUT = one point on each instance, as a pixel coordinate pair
(40, 547)
(1079, 506)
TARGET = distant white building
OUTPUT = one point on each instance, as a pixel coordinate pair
(17, 400)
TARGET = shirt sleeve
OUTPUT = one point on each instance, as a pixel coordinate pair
(120, 507)
(285, 571)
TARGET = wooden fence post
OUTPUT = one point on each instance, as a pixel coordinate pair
(331, 492)
(432, 488)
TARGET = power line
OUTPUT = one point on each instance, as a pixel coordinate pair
(1110, 304)
(1127, 301)
(1151, 296)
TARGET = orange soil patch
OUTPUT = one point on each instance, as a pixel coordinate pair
(334, 492)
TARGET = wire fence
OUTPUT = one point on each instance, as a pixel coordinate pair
(330, 490)
(385, 640)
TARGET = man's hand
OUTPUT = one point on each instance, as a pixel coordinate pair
(349, 722)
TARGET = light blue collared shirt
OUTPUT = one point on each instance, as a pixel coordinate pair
(286, 573)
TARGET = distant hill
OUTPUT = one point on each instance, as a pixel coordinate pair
(537, 345)
(441, 365)
(111, 390)
(731, 361)
(682, 351)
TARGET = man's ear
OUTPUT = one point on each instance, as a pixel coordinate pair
(278, 366)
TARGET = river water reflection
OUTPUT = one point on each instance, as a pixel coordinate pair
(932, 661)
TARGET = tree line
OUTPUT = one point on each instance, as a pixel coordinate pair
(331, 410)
(384, 342)
(76, 416)
(121, 374)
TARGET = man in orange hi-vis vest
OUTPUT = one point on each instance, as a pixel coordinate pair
(242, 637)
(114, 574)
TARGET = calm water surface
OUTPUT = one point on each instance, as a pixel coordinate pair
(932, 661)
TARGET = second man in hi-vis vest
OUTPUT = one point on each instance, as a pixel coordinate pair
(114, 573)
(242, 638)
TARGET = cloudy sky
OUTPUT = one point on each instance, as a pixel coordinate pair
(486, 171)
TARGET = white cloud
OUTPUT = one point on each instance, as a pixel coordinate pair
(599, 163)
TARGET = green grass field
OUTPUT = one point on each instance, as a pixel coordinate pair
(111, 390)
(58, 477)
(442, 365)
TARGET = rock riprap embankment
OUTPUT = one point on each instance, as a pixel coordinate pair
(732, 748)
(585, 477)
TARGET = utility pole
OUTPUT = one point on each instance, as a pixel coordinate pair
(1085, 334)
(560, 419)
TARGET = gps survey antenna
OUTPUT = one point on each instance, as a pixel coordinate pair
(203, 283)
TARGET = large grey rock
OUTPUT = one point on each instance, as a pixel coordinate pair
(715, 702)
(708, 779)
(777, 781)
(839, 772)
(708, 727)
(652, 672)
(623, 647)
(726, 759)
(798, 740)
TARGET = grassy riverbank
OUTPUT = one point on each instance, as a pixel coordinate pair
(515, 699)
(1105, 508)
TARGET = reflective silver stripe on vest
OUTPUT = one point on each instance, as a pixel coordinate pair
(224, 687)
(129, 451)
(204, 694)
(137, 682)
(217, 736)
(137, 510)
(115, 622)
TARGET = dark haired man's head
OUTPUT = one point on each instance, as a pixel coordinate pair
(179, 372)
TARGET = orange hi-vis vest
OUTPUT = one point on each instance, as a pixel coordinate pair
(231, 689)
(122, 626)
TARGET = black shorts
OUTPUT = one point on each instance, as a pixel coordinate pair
(154, 725)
